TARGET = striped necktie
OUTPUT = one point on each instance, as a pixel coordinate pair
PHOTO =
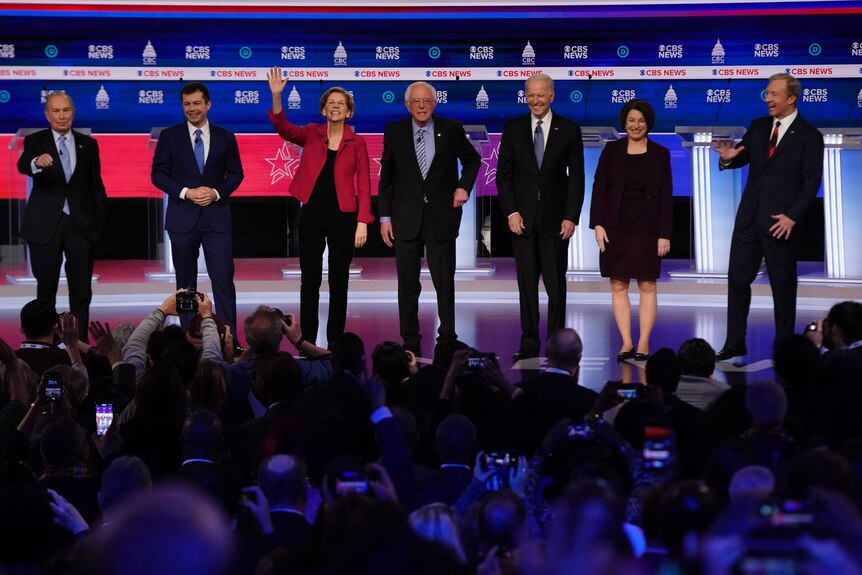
(420, 153)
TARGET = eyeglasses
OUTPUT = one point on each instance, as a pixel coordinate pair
(423, 101)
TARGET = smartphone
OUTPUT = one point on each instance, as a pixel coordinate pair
(579, 432)
(104, 417)
(351, 482)
(657, 446)
(630, 390)
(500, 460)
(53, 386)
(479, 360)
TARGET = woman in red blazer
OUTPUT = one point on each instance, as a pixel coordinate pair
(632, 213)
(333, 183)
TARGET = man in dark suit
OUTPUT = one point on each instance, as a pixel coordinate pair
(784, 154)
(66, 209)
(540, 181)
(555, 394)
(197, 164)
(420, 199)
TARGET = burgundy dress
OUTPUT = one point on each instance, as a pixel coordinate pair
(632, 250)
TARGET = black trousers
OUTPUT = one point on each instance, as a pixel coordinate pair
(46, 259)
(314, 235)
(218, 254)
(748, 247)
(441, 263)
(540, 254)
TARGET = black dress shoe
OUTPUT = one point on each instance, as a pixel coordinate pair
(729, 351)
(624, 355)
(641, 356)
(519, 355)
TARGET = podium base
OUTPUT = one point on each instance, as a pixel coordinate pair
(824, 279)
(292, 271)
(479, 269)
(25, 278)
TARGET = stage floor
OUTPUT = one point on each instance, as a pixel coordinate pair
(487, 309)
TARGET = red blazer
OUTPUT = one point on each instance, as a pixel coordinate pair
(352, 173)
(610, 182)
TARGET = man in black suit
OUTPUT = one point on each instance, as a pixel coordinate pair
(784, 154)
(66, 209)
(555, 394)
(420, 199)
(197, 164)
(540, 181)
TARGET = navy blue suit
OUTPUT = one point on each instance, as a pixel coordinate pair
(190, 225)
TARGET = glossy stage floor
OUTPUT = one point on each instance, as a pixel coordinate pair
(487, 309)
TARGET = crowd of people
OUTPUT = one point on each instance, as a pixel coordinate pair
(158, 450)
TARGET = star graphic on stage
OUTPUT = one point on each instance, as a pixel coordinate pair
(283, 164)
(491, 165)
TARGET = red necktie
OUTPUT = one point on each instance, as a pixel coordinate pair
(773, 141)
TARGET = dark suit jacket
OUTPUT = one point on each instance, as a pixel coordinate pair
(548, 398)
(175, 168)
(560, 177)
(610, 183)
(84, 191)
(786, 183)
(402, 189)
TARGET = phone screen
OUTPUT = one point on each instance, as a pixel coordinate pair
(104, 417)
(629, 391)
(351, 482)
(53, 386)
(657, 447)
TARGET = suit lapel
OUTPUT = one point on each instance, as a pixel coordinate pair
(553, 137)
(410, 148)
(80, 154)
(787, 139)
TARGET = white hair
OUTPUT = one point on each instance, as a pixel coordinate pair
(414, 84)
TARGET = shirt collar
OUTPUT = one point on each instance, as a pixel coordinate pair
(557, 370)
(787, 120)
(205, 129)
(546, 121)
(429, 127)
(57, 135)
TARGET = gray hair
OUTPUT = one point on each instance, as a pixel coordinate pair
(540, 76)
(415, 84)
(56, 93)
(794, 86)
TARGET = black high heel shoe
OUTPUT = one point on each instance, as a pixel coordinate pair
(641, 356)
(624, 355)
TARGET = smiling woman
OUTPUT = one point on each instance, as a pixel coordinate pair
(333, 183)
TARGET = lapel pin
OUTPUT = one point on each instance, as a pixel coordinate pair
(439, 134)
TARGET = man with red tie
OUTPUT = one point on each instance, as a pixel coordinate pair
(784, 154)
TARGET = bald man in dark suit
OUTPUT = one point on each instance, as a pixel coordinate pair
(66, 208)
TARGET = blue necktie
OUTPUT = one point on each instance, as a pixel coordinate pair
(64, 158)
(199, 150)
(420, 153)
(66, 161)
(539, 143)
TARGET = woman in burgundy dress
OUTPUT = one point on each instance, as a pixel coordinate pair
(632, 213)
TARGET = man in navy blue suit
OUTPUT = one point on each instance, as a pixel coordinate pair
(197, 164)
